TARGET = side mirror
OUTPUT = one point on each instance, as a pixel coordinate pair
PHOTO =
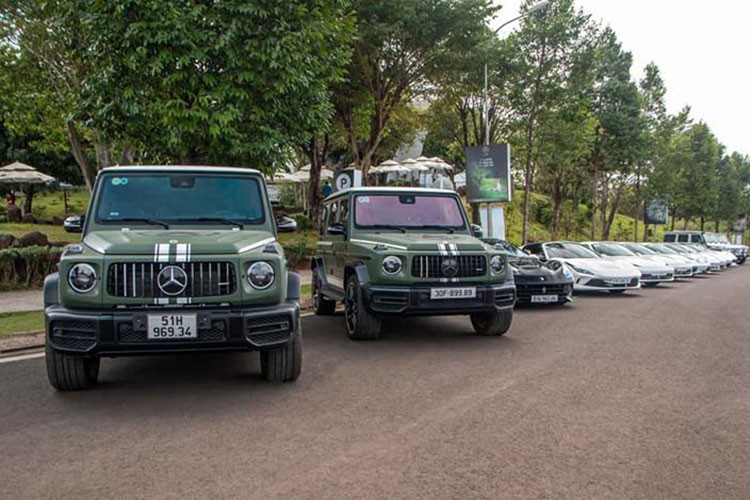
(337, 230)
(542, 258)
(74, 223)
(477, 231)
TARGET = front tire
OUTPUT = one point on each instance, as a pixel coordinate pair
(283, 364)
(495, 324)
(360, 324)
(320, 304)
(71, 373)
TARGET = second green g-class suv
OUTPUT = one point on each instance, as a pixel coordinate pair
(172, 259)
(407, 251)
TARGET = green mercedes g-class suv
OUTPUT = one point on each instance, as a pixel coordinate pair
(172, 259)
(407, 251)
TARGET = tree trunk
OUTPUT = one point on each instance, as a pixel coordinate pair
(612, 213)
(29, 199)
(593, 204)
(529, 167)
(703, 222)
(317, 161)
(603, 208)
(80, 157)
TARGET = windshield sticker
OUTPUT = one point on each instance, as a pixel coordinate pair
(120, 181)
(363, 200)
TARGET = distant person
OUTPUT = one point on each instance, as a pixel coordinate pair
(14, 211)
(327, 189)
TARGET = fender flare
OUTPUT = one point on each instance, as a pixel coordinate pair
(360, 269)
(317, 266)
(293, 287)
(51, 290)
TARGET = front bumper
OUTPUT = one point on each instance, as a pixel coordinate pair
(415, 300)
(115, 332)
(651, 277)
(529, 287)
(586, 284)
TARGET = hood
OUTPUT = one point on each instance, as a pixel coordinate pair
(162, 242)
(604, 267)
(642, 263)
(422, 242)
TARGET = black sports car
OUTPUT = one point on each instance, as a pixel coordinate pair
(536, 282)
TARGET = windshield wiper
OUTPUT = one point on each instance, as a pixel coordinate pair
(220, 220)
(153, 222)
(444, 228)
(387, 226)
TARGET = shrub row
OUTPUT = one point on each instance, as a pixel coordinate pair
(27, 267)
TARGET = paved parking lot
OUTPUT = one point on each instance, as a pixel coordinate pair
(644, 395)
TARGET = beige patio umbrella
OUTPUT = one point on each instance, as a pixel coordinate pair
(20, 173)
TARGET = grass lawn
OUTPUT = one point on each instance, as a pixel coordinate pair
(21, 322)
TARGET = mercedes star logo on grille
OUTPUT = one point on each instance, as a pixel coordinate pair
(449, 267)
(172, 280)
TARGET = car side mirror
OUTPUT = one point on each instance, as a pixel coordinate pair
(477, 231)
(542, 258)
(337, 230)
(74, 223)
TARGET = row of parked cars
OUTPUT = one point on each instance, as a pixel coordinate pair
(185, 259)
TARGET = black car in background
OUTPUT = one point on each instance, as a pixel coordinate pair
(536, 282)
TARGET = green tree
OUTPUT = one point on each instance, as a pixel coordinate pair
(403, 48)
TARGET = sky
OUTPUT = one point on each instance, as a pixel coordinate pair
(701, 49)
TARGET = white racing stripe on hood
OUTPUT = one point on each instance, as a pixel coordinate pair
(259, 244)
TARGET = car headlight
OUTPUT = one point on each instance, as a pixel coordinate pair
(497, 264)
(554, 265)
(392, 264)
(82, 278)
(567, 273)
(581, 270)
(260, 275)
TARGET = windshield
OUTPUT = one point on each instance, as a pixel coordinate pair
(662, 249)
(639, 249)
(163, 199)
(402, 211)
(568, 251)
(611, 250)
(510, 249)
(680, 248)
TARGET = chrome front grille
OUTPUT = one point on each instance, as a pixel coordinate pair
(139, 279)
(431, 266)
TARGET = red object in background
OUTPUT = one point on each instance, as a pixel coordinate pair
(11, 199)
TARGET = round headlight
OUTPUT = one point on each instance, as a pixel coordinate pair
(497, 264)
(392, 264)
(82, 278)
(260, 275)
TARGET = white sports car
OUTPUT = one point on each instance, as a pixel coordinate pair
(652, 273)
(590, 272)
(683, 268)
(700, 266)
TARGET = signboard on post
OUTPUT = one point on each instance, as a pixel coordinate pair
(488, 173)
(657, 212)
(347, 178)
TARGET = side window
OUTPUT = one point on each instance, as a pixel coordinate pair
(696, 238)
(682, 238)
(344, 212)
(669, 238)
(323, 220)
(534, 249)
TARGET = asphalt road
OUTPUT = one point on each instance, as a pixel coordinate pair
(645, 395)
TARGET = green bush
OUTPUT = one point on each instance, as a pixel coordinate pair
(299, 251)
(27, 267)
(303, 222)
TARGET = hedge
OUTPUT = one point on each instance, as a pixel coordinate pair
(27, 267)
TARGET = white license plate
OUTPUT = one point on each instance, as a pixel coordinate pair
(543, 299)
(172, 326)
(453, 293)
(618, 281)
